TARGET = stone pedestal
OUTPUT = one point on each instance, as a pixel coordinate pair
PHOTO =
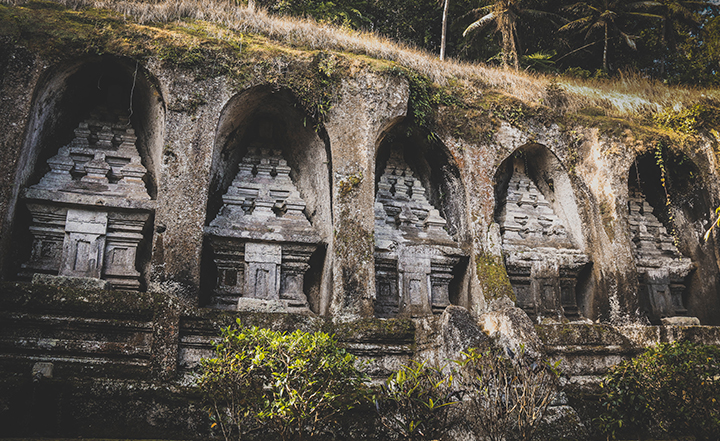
(90, 210)
(262, 271)
(261, 241)
(542, 262)
(414, 256)
(661, 268)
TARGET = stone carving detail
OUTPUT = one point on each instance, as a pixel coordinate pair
(661, 267)
(261, 240)
(541, 260)
(414, 254)
(89, 211)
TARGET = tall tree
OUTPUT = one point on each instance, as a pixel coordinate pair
(446, 4)
(605, 16)
(673, 12)
(505, 15)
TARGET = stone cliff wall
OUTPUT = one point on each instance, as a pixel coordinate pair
(302, 189)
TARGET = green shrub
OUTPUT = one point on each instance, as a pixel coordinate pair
(577, 72)
(670, 389)
(414, 401)
(689, 120)
(508, 395)
(292, 384)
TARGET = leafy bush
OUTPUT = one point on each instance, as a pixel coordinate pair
(508, 394)
(578, 72)
(293, 384)
(670, 389)
(415, 400)
(689, 120)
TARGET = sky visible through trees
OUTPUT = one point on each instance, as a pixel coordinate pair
(672, 40)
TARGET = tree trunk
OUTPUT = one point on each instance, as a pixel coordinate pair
(514, 51)
(664, 48)
(444, 30)
(605, 68)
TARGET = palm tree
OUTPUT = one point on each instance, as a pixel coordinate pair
(505, 14)
(604, 15)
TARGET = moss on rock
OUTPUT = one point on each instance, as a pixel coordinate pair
(493, 277)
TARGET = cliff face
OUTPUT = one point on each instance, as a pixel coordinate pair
(209, 173)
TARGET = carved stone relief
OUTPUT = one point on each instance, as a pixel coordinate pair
(89, 211)
(541, 259)
(661, 267)
(261, 240)
(414, 254)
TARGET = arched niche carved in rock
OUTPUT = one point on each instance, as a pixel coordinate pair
(88, 174)
(541, 239)
(269, 214)
(677, 271)
(420, 252)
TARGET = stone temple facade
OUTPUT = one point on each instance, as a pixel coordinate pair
(541, 259)
(261, 240)
(661, 268)
(89, 211)
(414, 254)
(177, 220)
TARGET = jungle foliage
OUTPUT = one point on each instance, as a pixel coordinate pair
(675, 41)
(301, 385)
(295, 385)
(671, 389)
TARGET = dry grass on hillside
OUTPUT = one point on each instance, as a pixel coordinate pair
(627, 96)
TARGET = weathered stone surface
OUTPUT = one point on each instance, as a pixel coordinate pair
(414, 254)
(680, 321)
(459, 331)
(20, 72)
(542, 262)
(89, 211)
(561, 423)
(102, 196)
(366, 107)
(261, 239)
(511, 328)
(661, 267)
(70, 281)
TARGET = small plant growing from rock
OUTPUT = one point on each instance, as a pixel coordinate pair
(295, 385)
(507, 394)
(414, 402)
(671, 389)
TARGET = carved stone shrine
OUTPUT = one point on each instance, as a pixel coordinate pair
(261, 240)
(541, 260)
(90, 210)
(414, 255)
(661, 268)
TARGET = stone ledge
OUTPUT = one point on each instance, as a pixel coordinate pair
(34, 298)
(70, 282)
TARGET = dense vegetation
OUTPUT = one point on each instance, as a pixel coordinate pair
(300, 385)
(294, 385)
(672, 389)
(672, 40)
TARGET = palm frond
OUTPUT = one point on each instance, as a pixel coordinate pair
(645, 15)
(644, 5)
(579, 23)
(579, 6)
(481, 23)
(608, 16)
(630, 40)
(553, 18)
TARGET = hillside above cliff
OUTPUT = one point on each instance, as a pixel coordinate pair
(214, 38)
